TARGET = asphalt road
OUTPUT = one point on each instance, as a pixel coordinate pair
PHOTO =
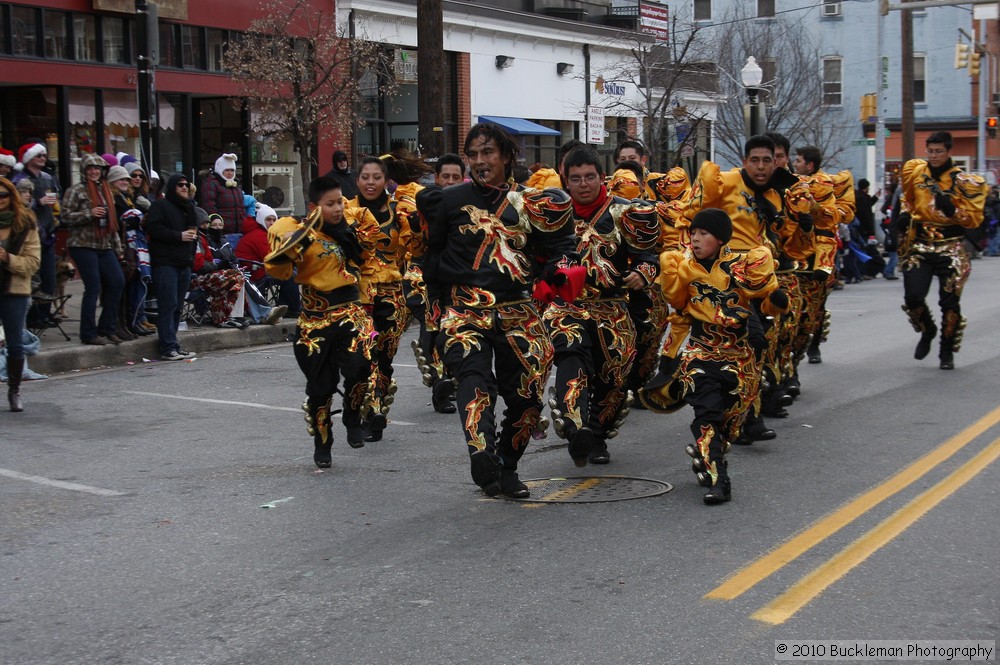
(161, 550)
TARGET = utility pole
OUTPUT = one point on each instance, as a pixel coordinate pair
(880, 100)
(430, 76)
(147, 40)
(906, 97)
(984, 91)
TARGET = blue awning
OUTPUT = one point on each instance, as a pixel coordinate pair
(519, 126)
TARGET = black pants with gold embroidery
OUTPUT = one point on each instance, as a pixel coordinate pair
(512, 340)
(712, 391)
(951, 267)
(594, 346)
(330, 345)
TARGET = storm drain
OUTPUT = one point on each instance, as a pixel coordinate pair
(592, 489)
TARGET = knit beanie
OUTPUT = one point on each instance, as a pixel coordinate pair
(7, 158)
(250, 204)
(118, 172)
(714, 221)
(110, 159)
(263, 212)
(227, 161)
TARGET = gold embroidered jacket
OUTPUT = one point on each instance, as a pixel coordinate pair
(929, 224)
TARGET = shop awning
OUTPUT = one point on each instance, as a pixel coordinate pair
(519, 126)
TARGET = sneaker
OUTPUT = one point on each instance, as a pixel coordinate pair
(186, 354)
(231, 323)
(172, 355)
(274, 315)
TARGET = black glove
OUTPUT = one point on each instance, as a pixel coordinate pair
(550, 275)
(779, 299)
(806, 222)
(820, 275)
(943, 203)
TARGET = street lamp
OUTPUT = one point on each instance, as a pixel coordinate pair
(754, 119)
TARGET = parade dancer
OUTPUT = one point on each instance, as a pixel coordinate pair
(333, 338)
(484, 241)
(719, 290)
(593, 336)
(940, 201)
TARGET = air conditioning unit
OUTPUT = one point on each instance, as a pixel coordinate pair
(831, 9)
(274, 185)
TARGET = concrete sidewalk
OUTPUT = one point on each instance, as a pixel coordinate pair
(58, 355)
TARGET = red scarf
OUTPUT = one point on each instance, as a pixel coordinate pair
(105, 199)
(585, 212)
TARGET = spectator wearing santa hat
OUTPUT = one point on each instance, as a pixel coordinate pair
(222, 195)
(31, 161)
(7, 162)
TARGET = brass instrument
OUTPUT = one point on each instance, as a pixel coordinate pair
(289, 247)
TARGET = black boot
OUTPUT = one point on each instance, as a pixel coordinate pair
(375, 427)
(318, 424)
(599, 452)
(15, 367)
(443, 396)
(813, 352)
(952, 330)
(581, 443)
(486, 472)
(722, 490)
(923, 323)
(511, 485)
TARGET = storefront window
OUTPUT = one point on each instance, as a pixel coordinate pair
(191, 49)
(83, 130)
(56, 34)
(115, 41)
(121, 122)
(84, 38)
(24, 30)
(216, 47)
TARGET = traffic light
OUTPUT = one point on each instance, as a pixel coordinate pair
(869, 108)
(991, 126)
(961, 56)
(974, 63)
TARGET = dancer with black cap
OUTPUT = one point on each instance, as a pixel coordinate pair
(719, 370)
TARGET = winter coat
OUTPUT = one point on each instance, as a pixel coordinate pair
(166, 220)
(226, 201)
(78, 217)
(253, 246)
(25, 255)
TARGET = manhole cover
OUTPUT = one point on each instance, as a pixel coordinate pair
(592, 489)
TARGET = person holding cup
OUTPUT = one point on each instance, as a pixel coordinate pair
(172, 229)
(32, 157)
(88, 211)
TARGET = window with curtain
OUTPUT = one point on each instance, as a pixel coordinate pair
(56, 31)
(24, 31)
(116, 51)
(84, 38)
(833, 81)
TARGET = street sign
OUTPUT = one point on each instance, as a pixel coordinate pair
(863, 142)
(687, 150)
(595, 125)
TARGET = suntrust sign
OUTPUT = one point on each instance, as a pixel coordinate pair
(609, 87)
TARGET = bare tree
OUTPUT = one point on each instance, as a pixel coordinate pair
(662, 73)
(793, 84)
(304, 74)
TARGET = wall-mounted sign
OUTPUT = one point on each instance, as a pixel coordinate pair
(654, 19)
(595, 125)
(609, 87)
(404, 65)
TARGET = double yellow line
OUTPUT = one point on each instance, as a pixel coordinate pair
(810, 586)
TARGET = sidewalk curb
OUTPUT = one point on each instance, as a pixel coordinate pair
(200, 340)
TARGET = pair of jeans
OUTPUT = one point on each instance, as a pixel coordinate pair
(13, 310)
(171, 284)
(102, 278)
(890, 263)
(288, 292)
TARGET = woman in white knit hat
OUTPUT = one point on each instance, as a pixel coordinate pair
(222, 195)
